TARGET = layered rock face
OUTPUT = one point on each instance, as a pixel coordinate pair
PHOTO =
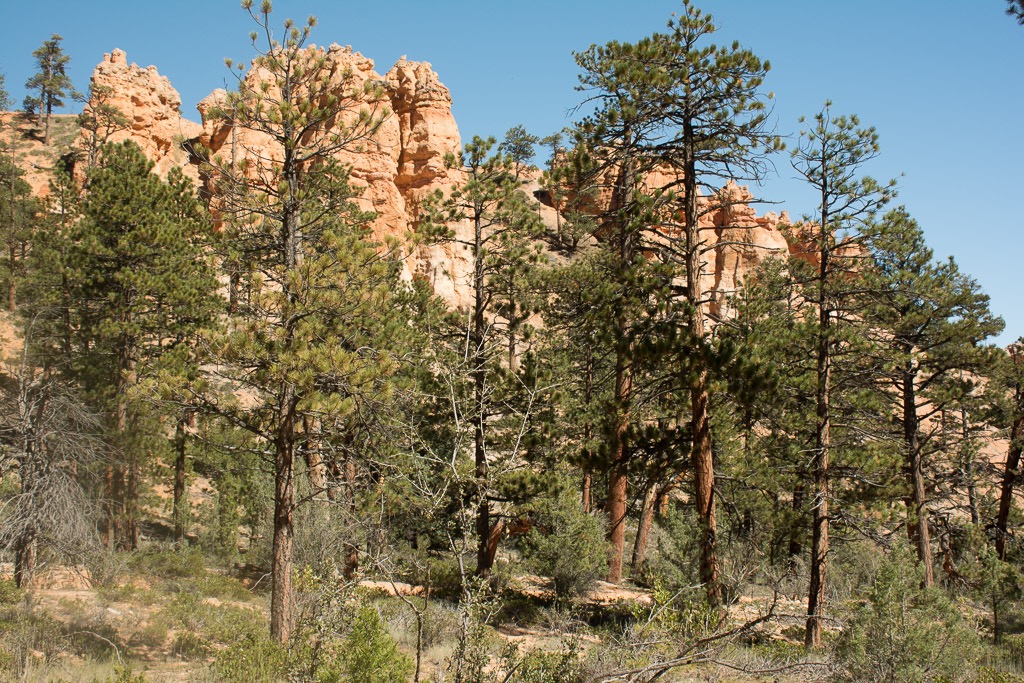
(403, 162)
(741, 240)
(735, 239)
(152, 107)
(395, 167)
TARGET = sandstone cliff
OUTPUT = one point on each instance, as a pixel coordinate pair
(151, 106)
(403, 162)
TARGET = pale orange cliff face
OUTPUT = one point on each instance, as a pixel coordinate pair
(404, 162)
(152, 108)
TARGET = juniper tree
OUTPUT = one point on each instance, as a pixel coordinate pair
(829, 155)
(51, 82)
(304, 343)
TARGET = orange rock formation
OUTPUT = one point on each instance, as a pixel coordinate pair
(404, 162)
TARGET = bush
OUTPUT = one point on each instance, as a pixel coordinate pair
(251, 659)
(537, 666)
(106, 567)
(568, 545)
(169, 562)
(10, 594)
(220, 623)
(368, 655)
(190, 647)
(905, 633)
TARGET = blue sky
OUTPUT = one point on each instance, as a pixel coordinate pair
(940, 80)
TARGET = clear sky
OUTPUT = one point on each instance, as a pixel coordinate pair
(941, 80)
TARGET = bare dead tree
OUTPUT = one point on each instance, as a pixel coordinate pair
(49, 438)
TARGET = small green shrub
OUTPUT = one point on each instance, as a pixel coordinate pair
(368, 655)
(10, 594)
(94, 638)
(440, 625)
(188, 611)
(567, 545)
(989, 675)
(190, 647)
(223, 587)
(440, 574)
(169, 562)
(537, 666)
(106, 567)
(124, 674)
(905, 633)
(153, 634)
(23, 631)
(253, 658)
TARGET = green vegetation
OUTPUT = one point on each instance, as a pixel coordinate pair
(253, 446)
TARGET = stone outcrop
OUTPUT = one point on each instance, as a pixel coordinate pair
(735, 239)
(741, 241)
(404, 161)
(151, 106)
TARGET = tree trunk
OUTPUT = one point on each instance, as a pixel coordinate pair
(351, 548)
(316, 473)
(622, 196)
(46, 124)
(643, 530)
(702, 454)
(704, 494)
(131, 497)
(617, 486)
(1006, 486)
(796, 547)
(123, 476)
(12, 289)
(586, 502)
(616, 520)
(281, 603)
(823, 448)
(186, 420)
(968, 465)
(917, 513)
(585, 491)
(284, 501)
(12, 285)
(25, 560)
(479, 374)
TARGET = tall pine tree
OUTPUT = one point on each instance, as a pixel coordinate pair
(828, 157)
(140, 280)
(932, 322)
(51, 82)
(315, 298)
